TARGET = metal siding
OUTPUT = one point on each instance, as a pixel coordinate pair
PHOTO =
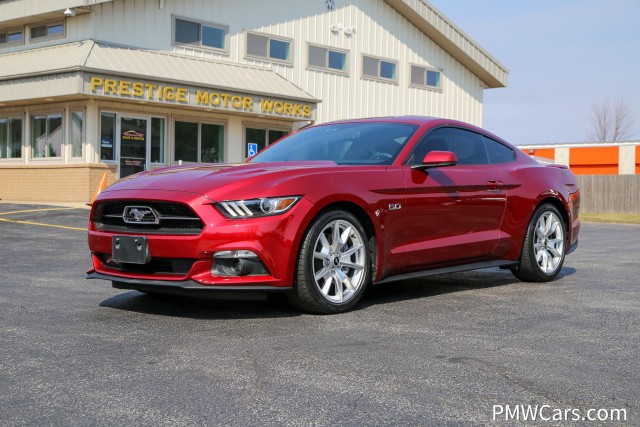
(92, 56)
(44, 60)
(40, 87)
(380, 31)
(17, 9)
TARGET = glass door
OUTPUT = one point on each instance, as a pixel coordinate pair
(134, 137)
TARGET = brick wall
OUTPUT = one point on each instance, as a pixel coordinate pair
(44, 183)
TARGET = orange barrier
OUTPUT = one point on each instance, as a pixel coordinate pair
(547, 153)
(594, 160)
(101, 186)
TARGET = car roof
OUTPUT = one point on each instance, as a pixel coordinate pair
(420, 121)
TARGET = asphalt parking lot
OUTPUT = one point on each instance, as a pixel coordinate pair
(437, 351)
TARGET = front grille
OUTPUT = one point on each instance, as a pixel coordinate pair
(179, 266)
(173, 218)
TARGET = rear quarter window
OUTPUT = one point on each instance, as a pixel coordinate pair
(498, 152)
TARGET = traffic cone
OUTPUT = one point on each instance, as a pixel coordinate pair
(101, 186)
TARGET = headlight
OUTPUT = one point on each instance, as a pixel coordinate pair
(256, 207)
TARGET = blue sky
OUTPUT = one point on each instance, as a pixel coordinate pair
(563, 56)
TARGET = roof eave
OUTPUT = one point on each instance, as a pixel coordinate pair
(492, 79)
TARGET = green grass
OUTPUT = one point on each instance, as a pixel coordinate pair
(610, 217)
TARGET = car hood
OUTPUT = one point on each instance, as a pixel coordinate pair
(219, 180)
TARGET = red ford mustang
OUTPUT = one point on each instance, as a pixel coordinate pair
(331, 209)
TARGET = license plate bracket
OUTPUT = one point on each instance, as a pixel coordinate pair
(130, 249)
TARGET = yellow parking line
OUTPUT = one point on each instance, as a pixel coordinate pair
(35, 210)
(41, 224)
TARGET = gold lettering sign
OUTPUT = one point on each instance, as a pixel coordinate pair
(197, 97)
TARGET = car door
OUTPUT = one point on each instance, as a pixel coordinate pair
(452, 213)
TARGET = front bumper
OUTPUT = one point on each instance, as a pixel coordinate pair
(191, 288)
(273, 239)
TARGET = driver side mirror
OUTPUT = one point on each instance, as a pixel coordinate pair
(437, 159)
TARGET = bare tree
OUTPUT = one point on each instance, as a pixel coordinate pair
(611, 121)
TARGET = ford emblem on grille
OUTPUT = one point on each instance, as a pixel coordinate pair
(140, 215)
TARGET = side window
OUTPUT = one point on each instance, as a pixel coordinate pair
(327, 59)
(272, 48)
(498, 153)
(466, 145)
(55, 29)
(11, 37)
(434, 141)
(379, 68)
(201, 34)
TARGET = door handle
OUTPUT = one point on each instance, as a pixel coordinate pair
(494, 185)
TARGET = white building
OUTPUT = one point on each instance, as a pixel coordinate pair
(119, 86)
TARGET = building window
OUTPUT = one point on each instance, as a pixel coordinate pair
(328, 59)
(379, 68)
(269, 47)
(55, 29)
(157, 139)
(425, 77)
(46, 135)
(200, 34)
(262, 137)
(76, 133)
(10, 137)
(199, 142)
(107, 136)
(11, 37)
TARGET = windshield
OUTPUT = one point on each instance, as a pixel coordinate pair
(343, 143)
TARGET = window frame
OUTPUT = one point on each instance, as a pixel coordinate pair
(425, 69)
(8, 118)
(326, 68)
(379, 76)
(201, 23)
(61, 155)
(63, 34)
(198, 122)
(269, 38)
(13, 31)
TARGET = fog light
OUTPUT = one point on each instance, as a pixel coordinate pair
(237, 263)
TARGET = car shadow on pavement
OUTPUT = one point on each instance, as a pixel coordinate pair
(443, 284)
(278, 307)
(200, 307)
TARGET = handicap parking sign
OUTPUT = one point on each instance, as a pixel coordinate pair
(252, 149)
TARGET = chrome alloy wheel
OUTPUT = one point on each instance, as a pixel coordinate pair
(548, 244)
(339, 258)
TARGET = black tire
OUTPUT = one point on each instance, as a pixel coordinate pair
(320, 285)
(543, 250)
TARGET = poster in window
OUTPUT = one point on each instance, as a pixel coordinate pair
(106, 142)
(132, 135)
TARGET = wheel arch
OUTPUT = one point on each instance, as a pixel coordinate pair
(361, 215)
(560, 205)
